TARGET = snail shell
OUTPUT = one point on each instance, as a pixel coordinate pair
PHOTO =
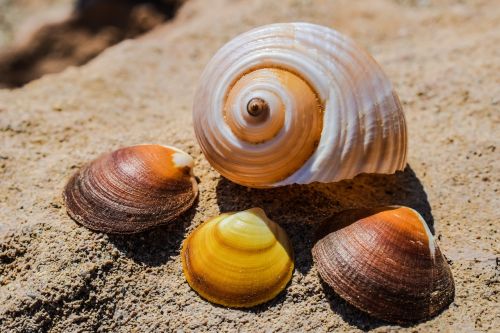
(384, 261)
(238, 259)
(132, 189)
(297, 103)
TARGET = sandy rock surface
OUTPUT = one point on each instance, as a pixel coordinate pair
(57, 276)
(19, 17)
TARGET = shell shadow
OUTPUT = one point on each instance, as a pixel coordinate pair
(299, 209)
(256, 309)
(350, 314)
(280, 298)
(358, 318)
(155, 247)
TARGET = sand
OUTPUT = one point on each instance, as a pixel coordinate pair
(47, 44)
(19, 17)
(57, 276)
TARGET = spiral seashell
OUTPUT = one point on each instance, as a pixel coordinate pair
(385, 261)
(238, 259)
(132, 189)
(297, 103)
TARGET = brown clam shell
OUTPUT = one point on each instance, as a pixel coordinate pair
(384, 261)
(132, 189)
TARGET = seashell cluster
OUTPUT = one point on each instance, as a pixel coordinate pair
(132, 189)
(281, 104)
(385, 261)
(297, 103)
(238, 259)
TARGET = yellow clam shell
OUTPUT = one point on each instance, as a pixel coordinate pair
(238, 259)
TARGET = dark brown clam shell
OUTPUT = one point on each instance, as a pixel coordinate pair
(384, 261)
(132, 189)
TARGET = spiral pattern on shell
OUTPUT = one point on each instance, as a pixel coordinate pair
(297, 103)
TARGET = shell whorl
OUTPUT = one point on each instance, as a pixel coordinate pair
(330, 113)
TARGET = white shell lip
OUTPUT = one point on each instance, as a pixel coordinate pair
(364, 128)
(430, 237)
(180, 158)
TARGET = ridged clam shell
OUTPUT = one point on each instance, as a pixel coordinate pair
(384, 261)
(238, 259)
(132, 189)
(331, 112)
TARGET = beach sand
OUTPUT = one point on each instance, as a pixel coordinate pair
(55, 275)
